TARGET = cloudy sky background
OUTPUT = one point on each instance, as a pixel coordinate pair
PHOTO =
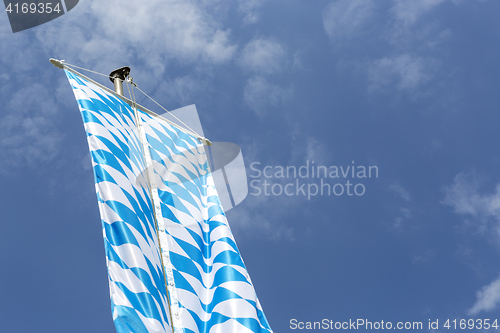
(410, 86)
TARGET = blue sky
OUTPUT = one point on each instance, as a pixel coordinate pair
(408, 86)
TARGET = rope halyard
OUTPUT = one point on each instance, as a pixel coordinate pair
(88, 70)
(168, 111)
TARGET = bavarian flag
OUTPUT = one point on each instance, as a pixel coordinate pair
(172, 260)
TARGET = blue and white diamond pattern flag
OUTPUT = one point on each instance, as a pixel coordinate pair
(172, 260)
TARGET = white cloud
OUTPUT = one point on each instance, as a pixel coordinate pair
(407, 12)
(423, 257)
(260, 94)
(315, 151)
(411, 35)
(345, 18)
(98, 34)
(263, 216)
(249, 8)
(12, 59)
(404, 72)
(488, 298)
(262, 56)
(404, 213)
(396, 187)
(182, 89)
(268, 216)
(463, 196)
(483, 209)
(307, 148)
(444, 35)
(28, 134)
(408, 28)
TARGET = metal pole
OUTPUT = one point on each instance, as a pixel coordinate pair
(118, 86)
(117, 77)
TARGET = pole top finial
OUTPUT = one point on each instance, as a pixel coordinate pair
(57, 63)
(120, 73)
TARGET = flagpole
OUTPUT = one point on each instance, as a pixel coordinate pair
(117, 77)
